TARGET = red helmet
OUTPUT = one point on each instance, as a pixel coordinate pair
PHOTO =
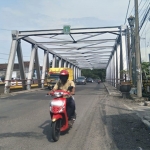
(64, 72)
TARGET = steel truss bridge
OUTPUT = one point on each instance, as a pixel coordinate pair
(83, 48)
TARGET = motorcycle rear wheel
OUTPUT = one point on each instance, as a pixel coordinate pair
(56, 130)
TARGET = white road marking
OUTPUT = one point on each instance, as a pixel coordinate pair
(128, 107)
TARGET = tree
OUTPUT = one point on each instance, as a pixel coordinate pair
(145, 69)
(95, 74)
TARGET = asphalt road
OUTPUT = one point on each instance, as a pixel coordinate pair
(103, 123)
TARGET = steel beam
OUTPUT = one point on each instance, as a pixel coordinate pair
(31, 66)
(65, 64)
(44, 68)
(54, 61)
(31, 41)
(37, 66)
(60, 62)
(21, 65)
(10, 66)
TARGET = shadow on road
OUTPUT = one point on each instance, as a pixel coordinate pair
(46, 126)
(22, 134)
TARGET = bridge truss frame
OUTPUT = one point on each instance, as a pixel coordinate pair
(92, 51)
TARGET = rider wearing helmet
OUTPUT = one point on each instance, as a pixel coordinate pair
(65, 84)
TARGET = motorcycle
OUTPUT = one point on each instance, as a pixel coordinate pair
(58, 113)
(98, 82)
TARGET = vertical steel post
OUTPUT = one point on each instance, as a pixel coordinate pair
(31, 67)
(117, 86)
(37, 66)
(54, 61)
(60, 62)
(44, 68)
(74, 68)
(65, 63)
(68, 65)
(48, 63)
(121, 58)
(11, 60)
(21, 64)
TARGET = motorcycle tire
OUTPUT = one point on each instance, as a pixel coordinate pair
(56, 130)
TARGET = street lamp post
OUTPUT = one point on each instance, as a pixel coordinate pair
(131, 21)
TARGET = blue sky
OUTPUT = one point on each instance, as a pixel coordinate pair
(52, 14)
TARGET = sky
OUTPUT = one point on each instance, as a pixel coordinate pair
(54, 14)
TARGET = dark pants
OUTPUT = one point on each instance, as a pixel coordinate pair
(70, 107)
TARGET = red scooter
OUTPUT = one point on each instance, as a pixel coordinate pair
(58, 114)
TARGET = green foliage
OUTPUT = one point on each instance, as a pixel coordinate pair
(95, 74)
(145, 69)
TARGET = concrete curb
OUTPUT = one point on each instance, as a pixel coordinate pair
(146, 122)
(114, 92)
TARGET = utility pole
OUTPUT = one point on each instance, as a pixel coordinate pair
(131, 21)
(137, 51)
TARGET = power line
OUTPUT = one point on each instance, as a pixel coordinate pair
(133, 7)
(4, 53)
(144, 10)
(144, 28)
(5, 29)
(127, 11)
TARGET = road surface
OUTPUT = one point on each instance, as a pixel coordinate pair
(103, 123)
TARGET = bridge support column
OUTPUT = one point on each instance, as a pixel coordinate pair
(37, 67)
(74, 70)
(113, 69)
(68, 65)
(21, 65)
(60, 62)
(111, 62)
(31, 67)
(11, 60)
(116, 53)
(44, 68)
(65, 64)
(54, 61)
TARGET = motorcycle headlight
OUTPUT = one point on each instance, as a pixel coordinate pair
(56, 103)
(58, 94)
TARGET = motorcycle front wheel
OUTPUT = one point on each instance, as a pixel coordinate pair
(56, 130)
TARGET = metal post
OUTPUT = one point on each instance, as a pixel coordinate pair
(48, 63)
(37, 66)
(74, 68)
(115, 68)
(65, 63)
(68, 65)
(76, 72)
(54, 61)
(44, 68)
(121, 58)
(117, 86)
(129, 54)
(11, 62)
(137, 49)
(60, 62)
(21, 65)
(31, 67)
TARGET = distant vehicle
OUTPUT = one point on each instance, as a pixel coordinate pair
(53, 76)
(89, 80)
(81, 80)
